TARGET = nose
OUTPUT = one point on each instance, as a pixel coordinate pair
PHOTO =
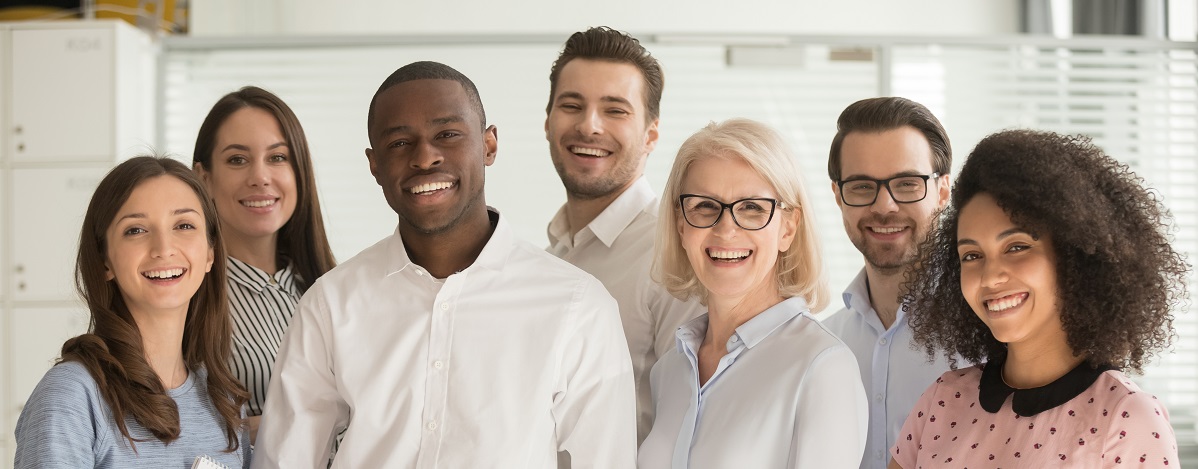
(426, 156)
(259, 174)
(725, 226)
(590, 123)
(884, 203)
(161, 245)
(994, 273)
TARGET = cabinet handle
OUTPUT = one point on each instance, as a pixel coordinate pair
(21, 286)
(18, 130)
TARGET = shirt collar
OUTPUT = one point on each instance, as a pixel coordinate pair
(493, 256)
(691, 333)
(612, 221)
(257, 279)
(993, 392)
(856, 299)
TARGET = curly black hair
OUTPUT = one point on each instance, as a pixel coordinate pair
(1119, 277)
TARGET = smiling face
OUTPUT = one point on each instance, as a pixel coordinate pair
(251, 179)
(1008, 275)
(428, 153)
(888, 233)
(157, 247)
(733, 263)
(598, 132)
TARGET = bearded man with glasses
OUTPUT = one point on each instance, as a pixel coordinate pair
(889, 166)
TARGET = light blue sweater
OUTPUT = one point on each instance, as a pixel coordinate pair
(67, 424)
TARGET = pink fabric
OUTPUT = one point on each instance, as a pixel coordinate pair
(1111, 424)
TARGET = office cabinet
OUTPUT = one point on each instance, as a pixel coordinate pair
(42, 332)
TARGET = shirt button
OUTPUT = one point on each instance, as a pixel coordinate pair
(438, 364)
(419, 272)
(882, 342)
(444, 306)
(878, 398)
(432, 425)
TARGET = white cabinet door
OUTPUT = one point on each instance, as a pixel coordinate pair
(47, 215)
(37, 337)
(62, 99)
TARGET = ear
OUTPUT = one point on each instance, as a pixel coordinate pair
(942, 191)
(374, 170)
(651, 135)
(790, 227)
(108, 275)
(836, 195)
(491, 141)
(211, 258)
(204, 175)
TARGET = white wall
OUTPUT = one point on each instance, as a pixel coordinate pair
(408, 17)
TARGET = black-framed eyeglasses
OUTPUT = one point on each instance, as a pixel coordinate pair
(751, 214)
(862, 192)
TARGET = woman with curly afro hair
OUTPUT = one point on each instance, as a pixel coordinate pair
(1051, 271)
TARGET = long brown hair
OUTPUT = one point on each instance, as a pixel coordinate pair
(112, 351)
(302, 239)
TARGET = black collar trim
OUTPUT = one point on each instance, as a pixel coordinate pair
(993, 392)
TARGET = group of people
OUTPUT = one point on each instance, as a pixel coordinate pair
(988, 327)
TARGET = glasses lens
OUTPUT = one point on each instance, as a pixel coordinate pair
(908, 189)
(860, 192)
(753, 214)
(701, 212)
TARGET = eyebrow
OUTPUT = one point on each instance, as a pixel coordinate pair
(139, 215)
(608, 99)
(892, 176)
(455, 119)
(238, 146)
(1000, 236)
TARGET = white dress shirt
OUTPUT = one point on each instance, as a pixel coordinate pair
(894, 372)
(503, 364)
(785, 396)
(617, 248)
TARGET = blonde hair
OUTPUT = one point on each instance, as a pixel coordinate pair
(799, 270)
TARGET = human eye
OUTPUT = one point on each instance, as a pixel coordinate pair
(278, 158)
(907, 184)
(861, 186)
(398, 144)
(236, 160)
(701, 205)
(133, 230)
(186, 225)
(615, 111)
(1018, 247)
(449, 134)
(752, 206)
(970, 256)
(569, 106)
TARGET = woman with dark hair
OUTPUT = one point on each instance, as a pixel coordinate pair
(1050, 273)
(252, 155)
(149, 385)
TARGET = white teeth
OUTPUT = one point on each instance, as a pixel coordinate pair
(589, 151)
(729, 254)
(1005, 303)
(165, 273)
(258, 203)
(432, 186)
(886, 230)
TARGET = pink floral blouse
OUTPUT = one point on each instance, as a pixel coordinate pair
(1087, 418)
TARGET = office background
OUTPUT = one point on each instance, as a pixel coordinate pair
(79, 96)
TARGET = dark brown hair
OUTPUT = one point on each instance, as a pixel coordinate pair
(607, 44)
(112, 350)
(889, 113)
(1118, 276)
(302, 239)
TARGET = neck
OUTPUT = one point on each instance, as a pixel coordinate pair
(260, 252)
(446, 253)
(581, 211)
(724, 315)
(884, 293)
(1031, 365)
(162, 341)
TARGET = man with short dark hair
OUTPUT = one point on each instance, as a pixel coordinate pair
(601, 124)
(889, 165)
(450, 343)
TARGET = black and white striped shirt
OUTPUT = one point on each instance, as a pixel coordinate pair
(262, 307)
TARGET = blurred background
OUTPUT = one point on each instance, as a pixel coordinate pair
(84, 85)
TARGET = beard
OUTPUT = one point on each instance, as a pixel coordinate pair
(888, 257)
(583, 186)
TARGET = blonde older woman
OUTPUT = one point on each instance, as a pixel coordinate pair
(756, 382)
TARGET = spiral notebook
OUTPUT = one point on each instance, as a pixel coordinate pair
(205, 462)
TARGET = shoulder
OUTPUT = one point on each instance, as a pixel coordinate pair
(66, 380)
(840, 321)
(1117, 391)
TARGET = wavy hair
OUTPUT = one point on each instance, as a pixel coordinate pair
(1118, 276)
(302, 239)
(112, 350)
(799, 269)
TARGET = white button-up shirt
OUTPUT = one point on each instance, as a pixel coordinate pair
(503, 364)
(894, 372)
(785, 396)
(617, 248)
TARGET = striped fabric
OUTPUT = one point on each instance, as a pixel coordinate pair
(262, 306)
